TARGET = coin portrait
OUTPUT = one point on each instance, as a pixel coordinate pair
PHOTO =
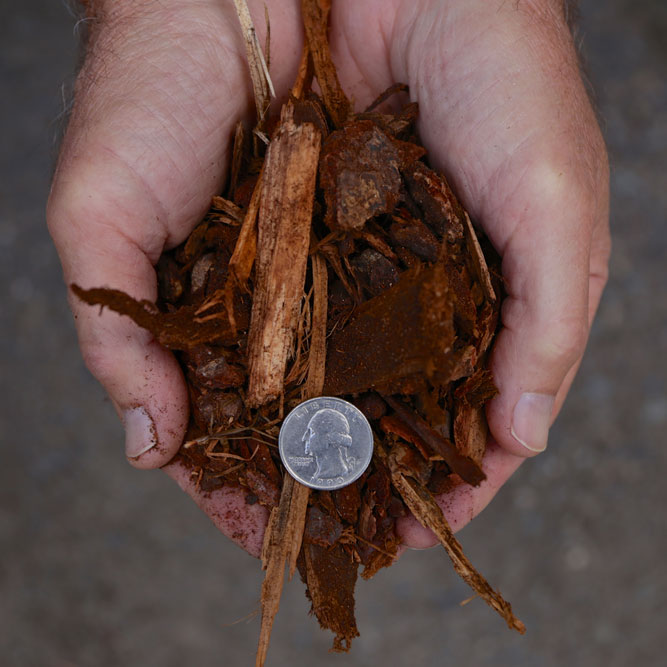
(326, 438)
(326, 443)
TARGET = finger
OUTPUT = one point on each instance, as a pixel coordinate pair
(544, 316)
(143, 380)
(516, 131)
(227, 508)
(465, 502)
(555, 267)
(138, 166)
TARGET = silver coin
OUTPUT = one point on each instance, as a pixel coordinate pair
(326, 443)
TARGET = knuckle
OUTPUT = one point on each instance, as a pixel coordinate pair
(565, 341)
(102, 365)
(549, 182)
(74, 198)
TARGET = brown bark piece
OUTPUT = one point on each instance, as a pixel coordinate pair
(374, 271)
(318, 350)
(470, 426)
(267, 492)
(416, 237)
(360, 173)
(347, 501)
(463, 466)
(392, 425)
(442, 211)
(331, 575)
(315, 14)
(471, 431)
(232, 212)
(321, 528)
(477, 259)
(288, 188)
(410, 462)
(187, 327)
(406, 330)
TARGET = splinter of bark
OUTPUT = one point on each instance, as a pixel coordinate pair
(304, 74)
(282, 543)
(315, 20)
(295, 524)
(463, 466)
(259, 72)
(288, 189)
(318, 351)
(243, 257)
(231, 211)
(422, 504)
(383, 97)
(237, 159)
(478, 261)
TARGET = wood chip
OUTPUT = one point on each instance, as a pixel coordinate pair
(404, 331)
(470, 426)
(318, 351)
(243, 257)
(477, 259)
(228, 207)
(315, 15)
(331, 575)
(288, 188)
(463, 466)
(259, 72)
(423, 506)
(282, 543)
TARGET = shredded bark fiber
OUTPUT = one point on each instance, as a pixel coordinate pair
(335, 263)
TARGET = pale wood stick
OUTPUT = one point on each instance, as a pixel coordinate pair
(318, 350)
(259, 72)
(421, 503)
(286, 206)
(282, 543)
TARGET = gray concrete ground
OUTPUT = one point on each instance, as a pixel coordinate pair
(93, 553)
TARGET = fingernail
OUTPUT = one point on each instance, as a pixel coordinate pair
(531, 420)
(140, 434)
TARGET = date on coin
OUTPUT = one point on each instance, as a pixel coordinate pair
(326, 443)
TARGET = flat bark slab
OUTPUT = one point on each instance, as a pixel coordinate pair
(405, 331)
(331, 576)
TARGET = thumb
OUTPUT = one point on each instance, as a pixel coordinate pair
(95, 215)
(545, 316)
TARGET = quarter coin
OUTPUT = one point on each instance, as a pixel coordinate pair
(326, 443)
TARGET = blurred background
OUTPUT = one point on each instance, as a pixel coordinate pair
(101, 564)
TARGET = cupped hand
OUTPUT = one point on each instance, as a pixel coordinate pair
(503, 113)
